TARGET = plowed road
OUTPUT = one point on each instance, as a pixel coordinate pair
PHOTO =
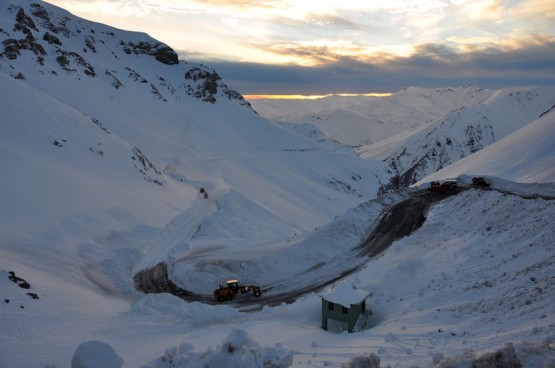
(395, 222)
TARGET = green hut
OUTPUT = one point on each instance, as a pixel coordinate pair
(345, 305)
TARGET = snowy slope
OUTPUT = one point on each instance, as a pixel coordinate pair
(102, 177)
(59, 165)
(421, 152)
(526, 156)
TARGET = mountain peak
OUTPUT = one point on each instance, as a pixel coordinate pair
(58, 43)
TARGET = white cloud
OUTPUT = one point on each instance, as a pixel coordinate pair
(245, 30)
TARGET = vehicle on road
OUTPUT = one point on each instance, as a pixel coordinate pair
(443, 186)
(234, 287)
(480, 182)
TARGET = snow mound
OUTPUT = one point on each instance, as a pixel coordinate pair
(518, 355)
(238, 350)
(160, 307)
(522, 354)
(93, 354)
(363, 361)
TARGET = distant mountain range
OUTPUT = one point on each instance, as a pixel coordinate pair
(416, 131)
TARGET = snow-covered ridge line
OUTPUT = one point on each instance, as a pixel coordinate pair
(62, 44)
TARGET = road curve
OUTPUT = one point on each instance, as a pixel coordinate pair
(396, 222)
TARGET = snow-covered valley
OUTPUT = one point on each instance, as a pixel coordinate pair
(476, 276)
(115, 157)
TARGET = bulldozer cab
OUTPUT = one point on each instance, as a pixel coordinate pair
(233, 284)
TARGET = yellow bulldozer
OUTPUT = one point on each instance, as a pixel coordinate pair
(232, 288)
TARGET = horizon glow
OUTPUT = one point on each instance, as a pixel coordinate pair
(347, 37)
(315, 97)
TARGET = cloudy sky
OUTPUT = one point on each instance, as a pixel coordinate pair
(347, 46)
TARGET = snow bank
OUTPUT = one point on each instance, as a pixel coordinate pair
(518, 355)
(166, 307)
(363, 361)
(237, 351)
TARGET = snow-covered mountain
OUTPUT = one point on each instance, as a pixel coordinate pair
(372, 119)
(530, 152)
(115, 156)
(418, 153)
(182, 118)
(418, 131)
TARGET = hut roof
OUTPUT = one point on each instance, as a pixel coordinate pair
(345, 293)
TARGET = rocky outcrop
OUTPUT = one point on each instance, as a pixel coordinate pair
(146, 168)
(206, 85)
(13, 46)
(43, 18)
(67, 59)
(161, 52)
